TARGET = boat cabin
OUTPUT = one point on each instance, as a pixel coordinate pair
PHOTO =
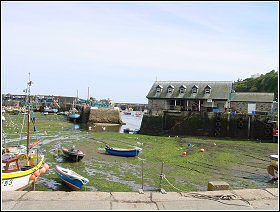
(10, 163)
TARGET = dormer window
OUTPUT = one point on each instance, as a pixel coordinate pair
(170, 89)
(194, 89)
(158, 88)
(207, 89)
(182, 89)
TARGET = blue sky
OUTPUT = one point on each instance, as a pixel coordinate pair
(119, 49)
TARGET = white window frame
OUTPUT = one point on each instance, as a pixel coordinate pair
(182, 90)
(158, 90)
(169, 90)
(194, 90)
(207, 91)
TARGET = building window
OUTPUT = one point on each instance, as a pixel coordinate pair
(194, 89)
(158, 89)
(207, 89)
(182, 90)
(170, 89)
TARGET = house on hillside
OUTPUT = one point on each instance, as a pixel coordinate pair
(204, 96)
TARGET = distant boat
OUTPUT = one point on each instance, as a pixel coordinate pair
(73, 154)
(74, 115)
(129, 131)
(50, 110)
(71, 178)
(122, 152)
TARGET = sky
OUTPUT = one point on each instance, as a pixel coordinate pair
(117, 50)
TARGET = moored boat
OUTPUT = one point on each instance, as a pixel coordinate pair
(272, 169)
(21, 166)
(73, 154)
(19, 177)
(122, 152)
(74, 115)
(71, 178)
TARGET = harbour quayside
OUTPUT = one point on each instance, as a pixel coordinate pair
(22, 165)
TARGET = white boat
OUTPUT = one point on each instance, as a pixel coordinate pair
(71, 178)
(21, 166)
(272, 169)
(16, 177)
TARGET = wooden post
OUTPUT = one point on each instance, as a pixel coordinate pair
(228, 121)
(249, 126)
(160, 184)
(141, 191)
(142, 176)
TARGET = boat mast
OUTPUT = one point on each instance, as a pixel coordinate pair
(28, 123)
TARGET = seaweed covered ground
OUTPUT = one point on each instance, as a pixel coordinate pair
(160, 164)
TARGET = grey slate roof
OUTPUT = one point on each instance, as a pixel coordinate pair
(252, 97)
(219, 90)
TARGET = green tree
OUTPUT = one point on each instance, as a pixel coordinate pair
(265, 83)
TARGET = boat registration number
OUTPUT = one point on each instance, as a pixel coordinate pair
(7, 182)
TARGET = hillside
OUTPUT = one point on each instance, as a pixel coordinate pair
(265, 83)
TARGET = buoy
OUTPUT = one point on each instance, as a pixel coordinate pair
(89, 128)
(42, 170)
(185, 153)
(32, 177)
(214, 144)
(37, 173)
(202, 150)
(46, 166)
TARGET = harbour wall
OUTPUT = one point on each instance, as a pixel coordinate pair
(92, 115)
(208, 124)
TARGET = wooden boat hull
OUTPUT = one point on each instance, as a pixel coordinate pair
(124, 153)
(73, 156)
(71, 178)
(19, 180)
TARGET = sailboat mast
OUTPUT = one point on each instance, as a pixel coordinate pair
(29, 117)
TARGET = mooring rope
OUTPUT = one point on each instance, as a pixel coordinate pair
(217, 198)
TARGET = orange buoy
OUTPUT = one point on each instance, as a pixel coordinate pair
(46, 166)
(42, 170)
(37, 173)
(185, 153)
(32, 177)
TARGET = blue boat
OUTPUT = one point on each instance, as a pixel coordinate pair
(122, 152)
(74, 115)
(71, 178)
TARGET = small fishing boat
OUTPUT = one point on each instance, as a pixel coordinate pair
(71, 178)
(129, 131)
(73, 154)
(50, 110)
(22, 165)
(74, 115)
(122, 152)
(17, 177)
(272, 169)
